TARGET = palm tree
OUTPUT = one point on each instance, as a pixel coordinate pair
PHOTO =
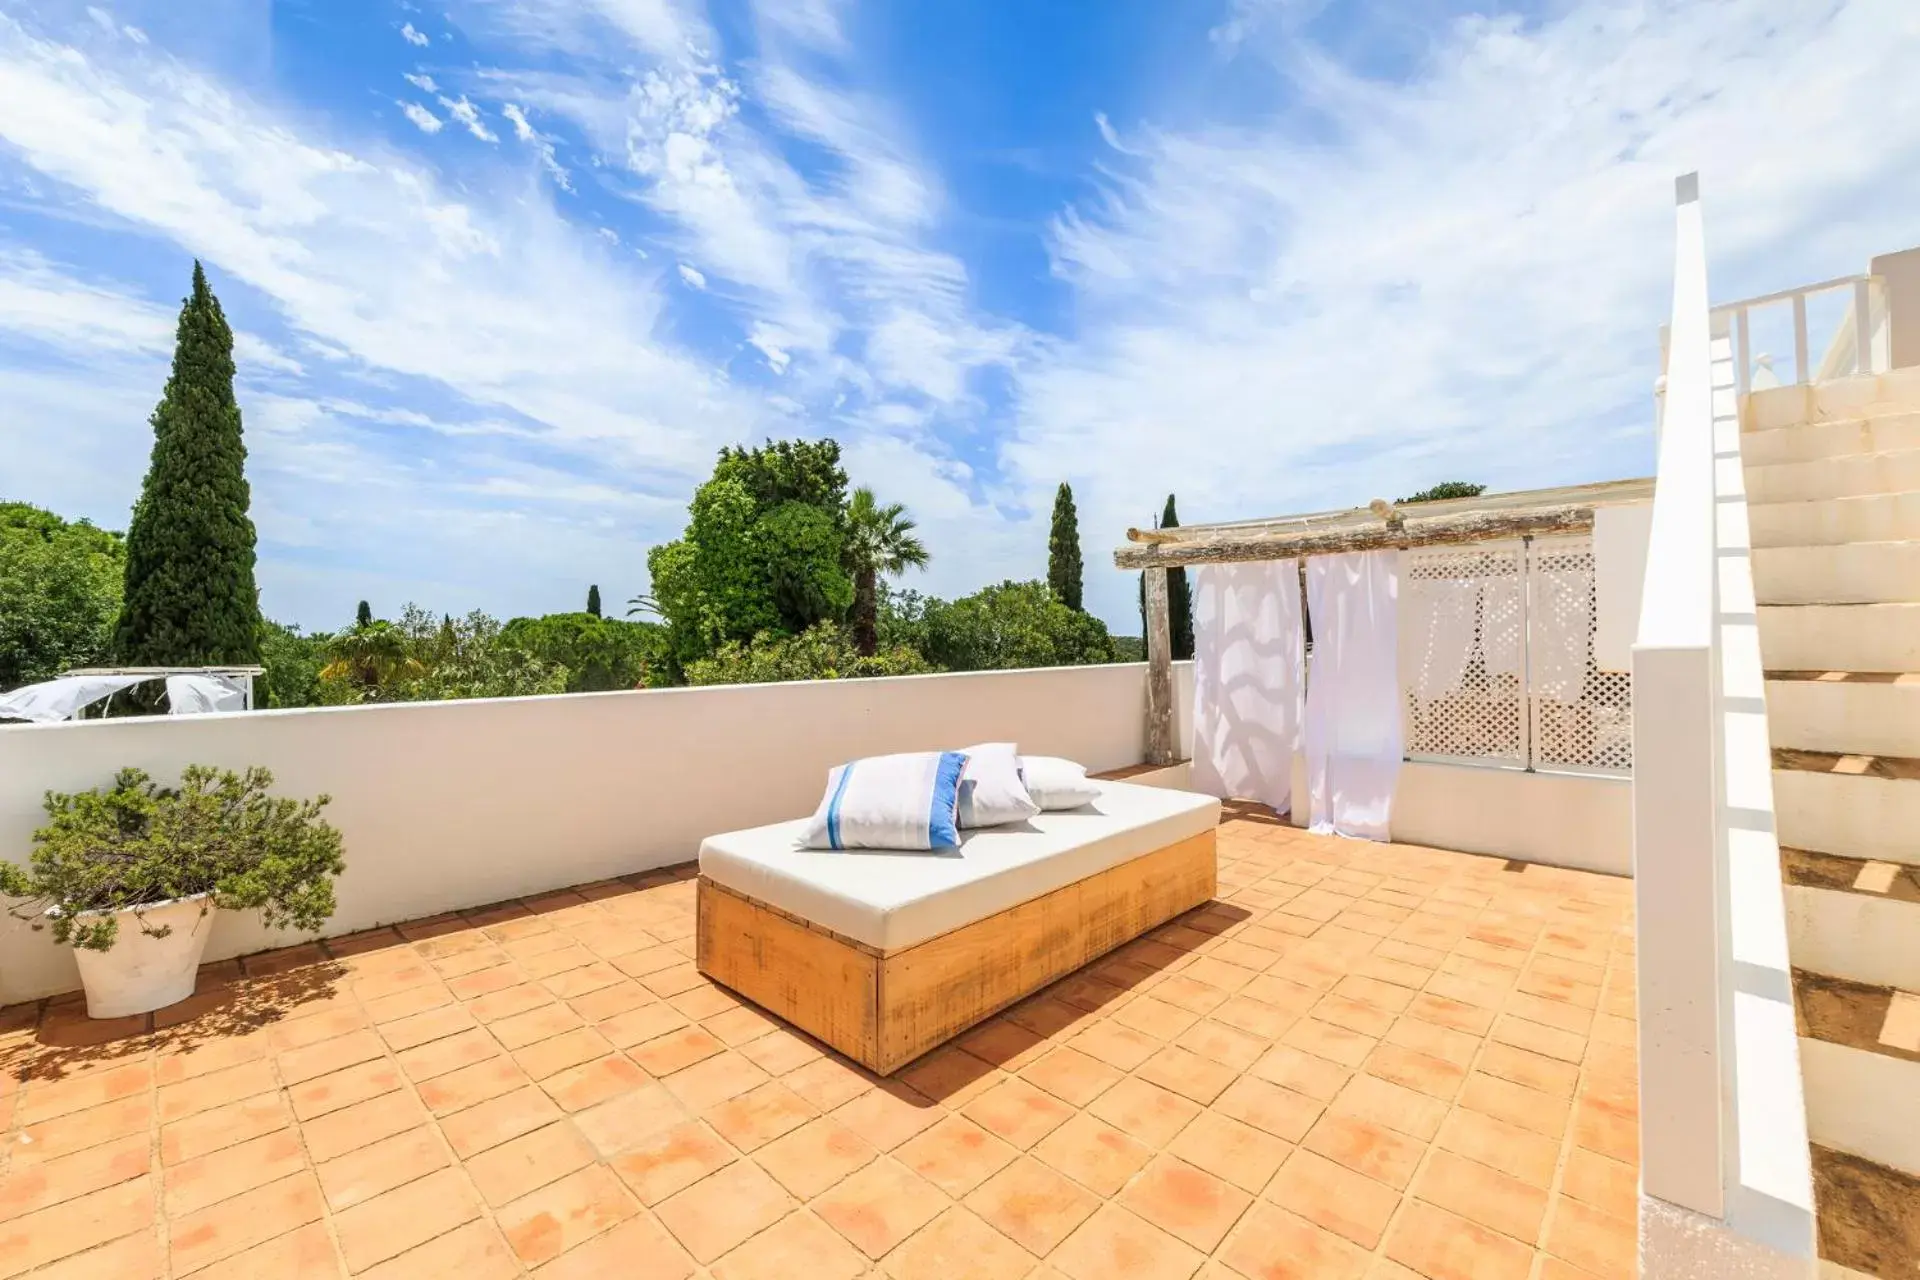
(369, 657)
(880, 541)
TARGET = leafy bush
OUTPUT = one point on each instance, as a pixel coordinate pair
(139, 844)
(597, 652)
(59, 593)
(1016, 624)
(823, 652)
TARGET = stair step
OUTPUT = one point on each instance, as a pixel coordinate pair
(1840, 637)
(1853, 917)
(1897, 471)
(1825, 522)
(1860, 1048)
(1854, 573)
(1861, 807)
(1857, 712)
(1866, 1215)
(1813, 440)
(1840, 400)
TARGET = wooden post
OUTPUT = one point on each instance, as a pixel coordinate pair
(1159, 642)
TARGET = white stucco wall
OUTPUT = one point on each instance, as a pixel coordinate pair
(454, 804)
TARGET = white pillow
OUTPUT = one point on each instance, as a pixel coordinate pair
(991, 793)
(889, 802)
(1057, 784)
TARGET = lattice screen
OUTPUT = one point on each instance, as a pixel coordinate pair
(1462, 636)
(1581, 717)
(1497, 658)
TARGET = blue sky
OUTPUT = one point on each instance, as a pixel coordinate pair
(507, 273)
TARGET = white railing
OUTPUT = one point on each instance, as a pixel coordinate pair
(1724, 1155)
(1858, 344)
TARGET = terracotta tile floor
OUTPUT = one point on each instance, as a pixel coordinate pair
(1363, 1060)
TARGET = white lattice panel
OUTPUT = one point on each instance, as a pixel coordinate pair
(1462, 632)
(1580, 717)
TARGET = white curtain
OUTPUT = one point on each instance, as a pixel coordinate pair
(1248, 676)
(1354, 735)
(194, 695)
(61, 698)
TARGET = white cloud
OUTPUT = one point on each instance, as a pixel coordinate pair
(469, 115)
(1459, 276)
(412, 36)
(486, 300)
(421, 81)
(692, 276)
(523, 130)
(42, 303)
(425, 119)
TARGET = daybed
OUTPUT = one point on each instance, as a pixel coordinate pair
(886, 955)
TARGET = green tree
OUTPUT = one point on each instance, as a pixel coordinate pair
(1179, 597)
(1448, 489)
(189, 597)
(60, 588)
(593, 599)
(293, 663)
(467, 658)
(597, 653)
(1014, 624)
(764, 551)
(1064, 568)
(363, 616)
(880, 541)
(373, 661)
(821, 652)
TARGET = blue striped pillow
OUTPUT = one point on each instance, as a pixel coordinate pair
(890, 802)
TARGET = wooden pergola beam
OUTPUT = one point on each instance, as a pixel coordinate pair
(1155, 549)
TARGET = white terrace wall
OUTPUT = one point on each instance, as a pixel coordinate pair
(454, 804)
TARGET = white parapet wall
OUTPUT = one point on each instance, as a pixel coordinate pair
(453, 804)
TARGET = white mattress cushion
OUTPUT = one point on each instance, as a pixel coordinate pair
(890, 900)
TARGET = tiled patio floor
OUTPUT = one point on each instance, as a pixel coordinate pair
(1364, 1060)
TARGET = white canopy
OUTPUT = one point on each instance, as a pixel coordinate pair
(64, 697)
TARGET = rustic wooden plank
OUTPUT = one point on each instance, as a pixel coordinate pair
(931, 992)
(821, 984)
(1159, 642)
(1225, 547)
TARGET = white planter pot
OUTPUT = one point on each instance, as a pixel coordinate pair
(142, 973)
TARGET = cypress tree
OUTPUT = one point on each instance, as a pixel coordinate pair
(190, 598)
(593, 599)
(1063, 550)
(363, 616)
(1179, 601)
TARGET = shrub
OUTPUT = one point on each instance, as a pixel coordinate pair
(139, 844)
(822, 652)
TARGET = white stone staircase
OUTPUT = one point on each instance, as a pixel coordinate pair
(1833, 485)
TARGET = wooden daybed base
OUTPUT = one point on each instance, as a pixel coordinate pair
(884, 1009)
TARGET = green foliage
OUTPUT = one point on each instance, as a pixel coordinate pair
(1448, 489)
(593, 599)
(189, 597)
(467, 658)
(138, 844)
(1179, 597)
(1064, 568)
(764, 551)
(372, 661)
(822, 652)
(293, 663)
(1129, 649)
(1015, 624)
(880, 541)
(59, 593)
(597, 653)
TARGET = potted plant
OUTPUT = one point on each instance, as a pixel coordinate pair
(131, 876)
